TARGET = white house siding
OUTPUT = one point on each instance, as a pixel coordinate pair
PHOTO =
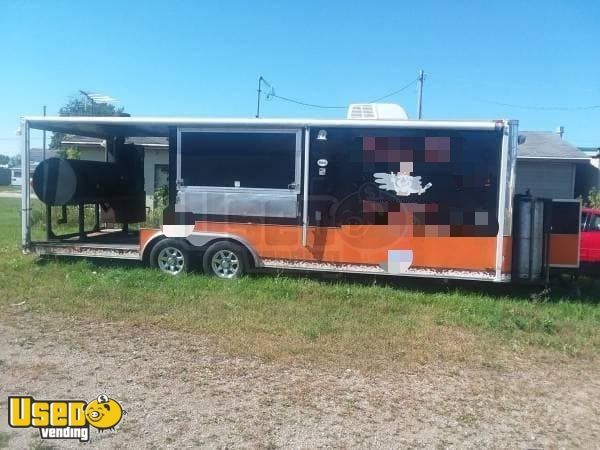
(545, 178)
(92, 153)
(152, 157)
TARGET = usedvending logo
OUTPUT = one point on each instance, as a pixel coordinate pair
(64, 419)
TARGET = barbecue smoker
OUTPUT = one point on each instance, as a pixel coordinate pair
(374, 193)
(115, 187)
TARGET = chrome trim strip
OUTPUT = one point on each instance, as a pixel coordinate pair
(245, 203)
(178, 177)
(305, 188)
(506, 187)
(38, 122)
(25, 187)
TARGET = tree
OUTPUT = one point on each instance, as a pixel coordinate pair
(593, 198)
(15, 161)
(4, 159)
(82, 106)
(69, 153)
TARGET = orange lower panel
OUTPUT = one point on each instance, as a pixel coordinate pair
(362, 244)
(564, 250)
(146, 234)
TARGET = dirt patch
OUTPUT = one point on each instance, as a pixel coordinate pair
(181, 389)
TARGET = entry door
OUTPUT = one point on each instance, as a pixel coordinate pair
(239, 172)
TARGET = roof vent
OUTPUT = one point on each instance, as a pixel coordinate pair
(376, 111)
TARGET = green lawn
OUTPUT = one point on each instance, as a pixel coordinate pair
(354, 322)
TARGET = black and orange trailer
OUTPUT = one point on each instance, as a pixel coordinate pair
(374, 193)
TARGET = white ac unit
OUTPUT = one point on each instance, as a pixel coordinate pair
(376, 111)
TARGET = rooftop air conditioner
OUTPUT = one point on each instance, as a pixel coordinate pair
(376, 111)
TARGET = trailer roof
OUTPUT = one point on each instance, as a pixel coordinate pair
(159, 126)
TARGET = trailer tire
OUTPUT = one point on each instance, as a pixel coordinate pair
(225, 259)
(170, 256)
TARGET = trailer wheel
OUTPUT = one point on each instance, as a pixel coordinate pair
(225, 259)
(170, 256)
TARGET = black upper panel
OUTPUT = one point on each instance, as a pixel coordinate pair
(464, 176)
(255, 160)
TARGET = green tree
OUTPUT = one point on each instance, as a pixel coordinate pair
(82, 106)
(4, 159)
(593, 198)
(69, 153)
(15, 161)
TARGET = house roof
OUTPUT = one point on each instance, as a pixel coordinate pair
(592, 152)
(548, 145)
(36, 154)
(93, 141)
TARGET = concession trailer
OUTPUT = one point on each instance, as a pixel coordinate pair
(374, 193)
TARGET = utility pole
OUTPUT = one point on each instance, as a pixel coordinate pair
(261, 80)
(421, 79)
(44, 139)
(49, 234)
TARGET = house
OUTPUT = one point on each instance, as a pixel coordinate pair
(590, 175)
(547, 165)
(36, 157)
(156, 158)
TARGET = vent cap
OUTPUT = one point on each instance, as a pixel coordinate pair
(376, 111)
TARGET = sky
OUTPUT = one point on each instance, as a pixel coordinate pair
(192, 58)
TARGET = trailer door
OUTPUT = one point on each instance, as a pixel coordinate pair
(250, 174)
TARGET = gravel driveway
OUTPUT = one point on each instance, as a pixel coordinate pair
(180, 390)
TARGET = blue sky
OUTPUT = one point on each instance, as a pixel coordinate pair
(203, 58)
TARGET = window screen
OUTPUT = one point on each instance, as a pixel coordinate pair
(246, 160)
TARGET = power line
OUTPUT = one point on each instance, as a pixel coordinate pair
(298, 102)
(489, 86)
(403, 88)
(314, 105)
(543, 108)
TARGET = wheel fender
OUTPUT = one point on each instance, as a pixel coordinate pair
(199, 239)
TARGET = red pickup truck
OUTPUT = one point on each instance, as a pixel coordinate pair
(590, 238)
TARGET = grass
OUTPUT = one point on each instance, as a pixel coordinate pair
(10, 188)
(353, 322)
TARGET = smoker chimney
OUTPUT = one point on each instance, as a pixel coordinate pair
(560, 131)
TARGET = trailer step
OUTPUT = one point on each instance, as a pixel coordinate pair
(90, 250)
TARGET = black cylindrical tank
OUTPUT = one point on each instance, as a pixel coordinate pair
(58, 181)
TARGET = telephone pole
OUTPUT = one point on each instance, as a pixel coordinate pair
(44, 139)
(261, 80)
(421, 79)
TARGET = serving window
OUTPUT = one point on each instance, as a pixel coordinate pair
(245, 159)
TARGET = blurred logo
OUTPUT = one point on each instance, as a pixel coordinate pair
(404, 185)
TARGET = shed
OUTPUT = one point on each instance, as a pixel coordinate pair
(547, 165)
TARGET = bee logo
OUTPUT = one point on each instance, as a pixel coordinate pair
(64, 419)
(103, 413)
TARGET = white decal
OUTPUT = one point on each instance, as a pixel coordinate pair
(403, 185)
(177, 230)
